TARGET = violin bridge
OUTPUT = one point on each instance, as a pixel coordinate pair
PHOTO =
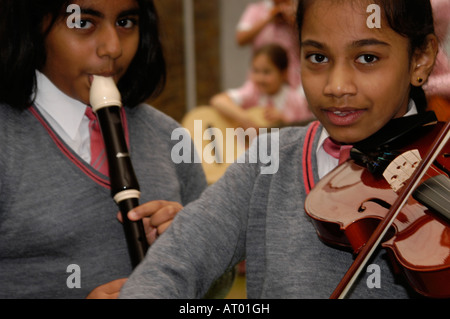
(401, 169)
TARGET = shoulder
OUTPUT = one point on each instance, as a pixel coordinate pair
(150, 113)
(296, 101)
(6, 110)
(292, 135)
(289, 140)
(4, 119)
(289, 95)
(297, 135)
(16, 128)
(146, 116)
(294, 91)
(10, 117)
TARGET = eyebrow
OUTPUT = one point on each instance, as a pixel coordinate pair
(312, 43)
(98, 14)
(366, 42)
(355, 44)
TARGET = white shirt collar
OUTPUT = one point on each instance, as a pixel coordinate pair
(64, 110)
(412, 110)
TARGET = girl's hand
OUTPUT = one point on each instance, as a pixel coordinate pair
(156, 215)
(107, 291)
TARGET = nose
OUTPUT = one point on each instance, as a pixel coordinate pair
(340, 82)
(108, 43)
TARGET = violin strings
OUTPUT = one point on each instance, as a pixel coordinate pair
(440, 184)
(434, 201)
(439, 194)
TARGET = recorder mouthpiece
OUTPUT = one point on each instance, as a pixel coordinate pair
(104, 93)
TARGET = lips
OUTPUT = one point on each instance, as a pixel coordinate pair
(343, 116)
(104, 74)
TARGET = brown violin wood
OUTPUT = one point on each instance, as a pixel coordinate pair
(349, 204)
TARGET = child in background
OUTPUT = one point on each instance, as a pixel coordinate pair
(271, 21)
(282, 103)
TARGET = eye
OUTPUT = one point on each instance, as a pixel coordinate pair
(83, 24)
(127, 23)
(367, 59)
(317, 58)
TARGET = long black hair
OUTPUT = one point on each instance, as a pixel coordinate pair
(412, 19)
(22, 51)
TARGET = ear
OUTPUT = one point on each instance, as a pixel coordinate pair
(423, 60)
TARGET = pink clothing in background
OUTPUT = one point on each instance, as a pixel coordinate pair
(280, 33)
(290, 102)
(439, 82)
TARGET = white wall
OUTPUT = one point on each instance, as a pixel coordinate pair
(235, 59)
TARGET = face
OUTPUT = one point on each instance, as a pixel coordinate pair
(105, 44)
(266, 76)
(355, 78)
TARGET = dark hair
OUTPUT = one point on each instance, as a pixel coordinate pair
(22, 51)
(412, 19)
(276, 54)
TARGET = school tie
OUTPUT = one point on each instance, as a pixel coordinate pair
(98, 153)
(341, 152)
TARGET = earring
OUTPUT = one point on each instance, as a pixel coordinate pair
(419, 79)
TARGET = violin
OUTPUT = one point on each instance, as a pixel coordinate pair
(441, 106)
(394, 192)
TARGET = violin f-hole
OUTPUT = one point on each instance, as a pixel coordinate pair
(362, 208)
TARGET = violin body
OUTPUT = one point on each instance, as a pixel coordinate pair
(441, 106)
(348, 204)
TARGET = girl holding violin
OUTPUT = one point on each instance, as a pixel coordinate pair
(357, 77)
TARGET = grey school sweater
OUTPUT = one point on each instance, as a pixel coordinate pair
(57, 218)
(259, 217)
